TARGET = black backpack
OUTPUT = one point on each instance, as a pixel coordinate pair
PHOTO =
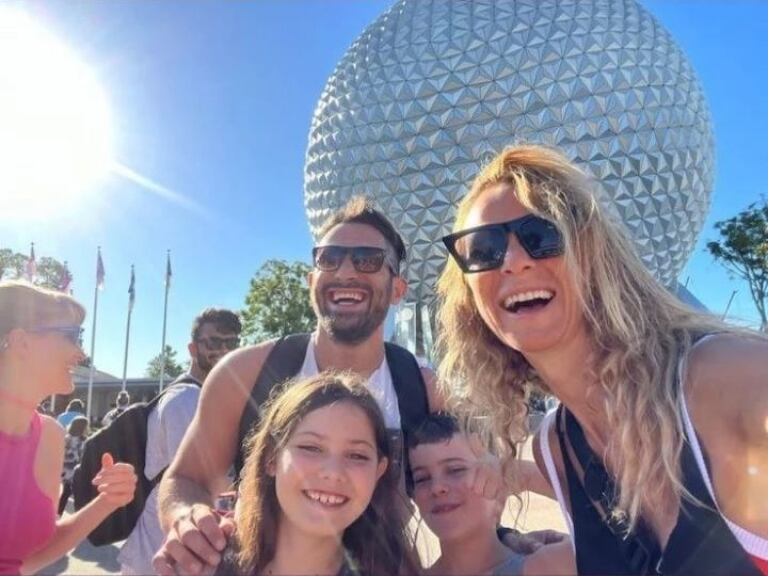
(126, 439)
(285, 360)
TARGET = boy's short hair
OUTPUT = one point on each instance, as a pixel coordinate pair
(434, 428)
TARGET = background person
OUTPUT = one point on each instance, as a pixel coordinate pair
(122, 402)
(74, 409)
(39, 347)
(215, 331)
(74, 442)
(542, 290)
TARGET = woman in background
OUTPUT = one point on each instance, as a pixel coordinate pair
(39, 347)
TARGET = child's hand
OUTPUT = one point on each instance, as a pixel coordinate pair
(116, 483)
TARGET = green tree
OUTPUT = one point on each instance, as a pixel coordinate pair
(50, 272)
(277, 302)
(743, 250)
(172, 366)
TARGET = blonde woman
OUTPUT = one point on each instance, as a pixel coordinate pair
(39, 346)
(659, 454)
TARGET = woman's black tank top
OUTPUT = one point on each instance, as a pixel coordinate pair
(701, 544)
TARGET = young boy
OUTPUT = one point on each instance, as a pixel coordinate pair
(442, 458)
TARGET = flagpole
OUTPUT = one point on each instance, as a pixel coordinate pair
(91, 371)
(128, 326)
(165, 318)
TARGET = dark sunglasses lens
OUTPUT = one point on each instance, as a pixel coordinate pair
(328, 257)
(482, 249)
(216, 343)
(540, 238)
(367, 259)
(74, 335)
(231, 343)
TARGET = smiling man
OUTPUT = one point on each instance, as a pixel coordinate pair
(355, 279)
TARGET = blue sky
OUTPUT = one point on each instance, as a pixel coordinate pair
(213, 100)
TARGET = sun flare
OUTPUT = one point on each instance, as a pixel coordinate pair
(55, 136)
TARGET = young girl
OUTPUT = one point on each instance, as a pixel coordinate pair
(74, 441)
(39, 347)
(316, 496)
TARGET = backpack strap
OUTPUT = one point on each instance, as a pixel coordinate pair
(283, 362)
(409, 385)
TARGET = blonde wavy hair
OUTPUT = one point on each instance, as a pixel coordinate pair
(637, 328)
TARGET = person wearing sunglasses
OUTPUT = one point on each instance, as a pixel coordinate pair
(356, 277)
(659, 452)
(215, 332)
(40, 338)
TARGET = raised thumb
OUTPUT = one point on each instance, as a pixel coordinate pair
(106, 460)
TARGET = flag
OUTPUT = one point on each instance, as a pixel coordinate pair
(132, 290)
(31, 268)
(99, 272)
(168, 272)
(66, 280)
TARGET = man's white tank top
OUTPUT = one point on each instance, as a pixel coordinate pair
(379, 384)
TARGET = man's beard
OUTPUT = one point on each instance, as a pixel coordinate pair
(204, 364)
(352, 329)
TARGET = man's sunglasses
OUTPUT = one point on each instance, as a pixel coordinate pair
(72, 333)
(365, 259)
(484, 247)
(216, 343)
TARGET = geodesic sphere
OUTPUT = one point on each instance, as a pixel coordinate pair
(434, 88)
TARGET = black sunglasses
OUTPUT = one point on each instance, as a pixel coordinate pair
(216, 343)
(484, 247)
(365, 259)
(72, 333)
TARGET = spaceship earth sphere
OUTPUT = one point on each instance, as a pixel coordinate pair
(432, 89)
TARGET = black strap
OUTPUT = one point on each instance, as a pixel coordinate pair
(283, 362)
(410, 388)
(639, 549)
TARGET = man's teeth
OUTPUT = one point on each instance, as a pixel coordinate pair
(347, 295)
(528, 296)
(327, 499)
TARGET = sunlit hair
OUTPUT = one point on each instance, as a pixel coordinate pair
(375, 543)
(26, 306)
(638, 330)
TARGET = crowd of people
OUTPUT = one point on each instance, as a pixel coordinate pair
(657, 453)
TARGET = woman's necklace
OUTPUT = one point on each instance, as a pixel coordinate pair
(20, 402)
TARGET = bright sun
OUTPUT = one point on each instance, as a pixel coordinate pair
(54, 123)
